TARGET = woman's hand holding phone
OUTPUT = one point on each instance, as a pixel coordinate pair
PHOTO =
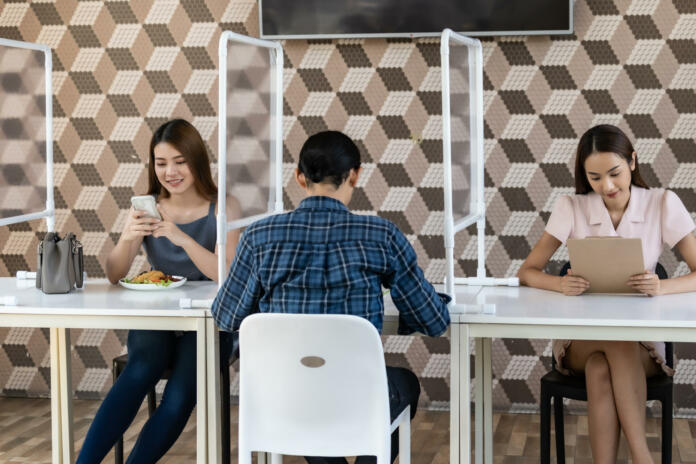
(167, 228)
(138, 225)
(573, 285)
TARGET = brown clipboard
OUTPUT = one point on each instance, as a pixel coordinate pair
(606, 262)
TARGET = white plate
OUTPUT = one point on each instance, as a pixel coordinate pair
(155, 287)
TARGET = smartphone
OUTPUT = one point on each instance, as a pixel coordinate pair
(148, 204)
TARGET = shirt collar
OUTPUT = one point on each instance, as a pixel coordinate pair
(633, 213)
(321, 202)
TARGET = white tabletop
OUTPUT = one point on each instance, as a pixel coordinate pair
(524, 305)
(99, 297)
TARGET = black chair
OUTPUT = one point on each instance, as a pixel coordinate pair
(119, 363)
(558, 386)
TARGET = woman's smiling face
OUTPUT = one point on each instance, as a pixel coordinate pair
(172, 169)
(609, 176)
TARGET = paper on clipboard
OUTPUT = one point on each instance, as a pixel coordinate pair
(606, 262)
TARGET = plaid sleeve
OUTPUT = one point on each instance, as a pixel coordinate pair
(241, 291)
(420, 307)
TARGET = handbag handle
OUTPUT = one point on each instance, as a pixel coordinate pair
(77, 260)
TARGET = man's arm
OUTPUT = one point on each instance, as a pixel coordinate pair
(240, 293)
(420, 307)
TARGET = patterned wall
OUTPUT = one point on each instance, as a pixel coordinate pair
(122, 68)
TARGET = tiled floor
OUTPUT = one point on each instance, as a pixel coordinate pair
(25, 433)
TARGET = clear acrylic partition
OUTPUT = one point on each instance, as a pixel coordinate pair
(250, 124)
(462, 150)
(26, 161)
(463, 164)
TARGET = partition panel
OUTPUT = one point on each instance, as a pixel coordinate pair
(462, 151)
(26, 140)
(250, 138)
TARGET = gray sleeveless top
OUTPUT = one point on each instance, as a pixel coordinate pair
(164, 256)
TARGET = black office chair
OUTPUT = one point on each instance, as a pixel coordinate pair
(558, 386)
(119, 363)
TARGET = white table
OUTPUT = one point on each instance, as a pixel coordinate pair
(105, 306)
(531, 313)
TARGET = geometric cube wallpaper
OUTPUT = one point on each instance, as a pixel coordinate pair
(122, 68)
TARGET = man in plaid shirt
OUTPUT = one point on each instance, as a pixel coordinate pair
(321, 258)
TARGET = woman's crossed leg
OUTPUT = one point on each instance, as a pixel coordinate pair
(615, 373)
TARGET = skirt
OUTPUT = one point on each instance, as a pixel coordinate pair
(656, 350)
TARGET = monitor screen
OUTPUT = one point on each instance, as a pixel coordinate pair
(407, 18)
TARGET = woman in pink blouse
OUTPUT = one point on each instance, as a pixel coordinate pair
(613, 200)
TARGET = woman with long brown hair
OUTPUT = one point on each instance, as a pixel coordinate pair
(612, 199)
(181, 243)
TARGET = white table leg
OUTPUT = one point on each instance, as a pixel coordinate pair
(455, 330)
(201, 394)
(487, 402)
(464, 396)
(479, 361)
(213, 379)
(65, 396)
(56, 422)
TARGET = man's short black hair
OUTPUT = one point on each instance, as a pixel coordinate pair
(328, 157)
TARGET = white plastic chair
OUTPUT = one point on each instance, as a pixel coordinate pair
(315, 385)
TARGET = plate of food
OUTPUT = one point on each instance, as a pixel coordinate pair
(153, 280)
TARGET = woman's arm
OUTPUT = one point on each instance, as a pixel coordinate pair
(651, 285)
(202, 258)
(531, 272)
(121, 257)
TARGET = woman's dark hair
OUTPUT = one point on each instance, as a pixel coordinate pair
(181, 135)
(604, 138)
(328, 157)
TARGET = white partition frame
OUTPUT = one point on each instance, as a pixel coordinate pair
(477, 207)
(276, 175)
(49, 212)
(61, 401)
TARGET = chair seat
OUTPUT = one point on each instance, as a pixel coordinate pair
(573, 386)
(121, 361)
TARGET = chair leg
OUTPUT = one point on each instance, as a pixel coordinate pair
(560, 435)
(225, 425)
(667, 428)
(151, 402)
(118, 447)
(545, 426)
(405, 439)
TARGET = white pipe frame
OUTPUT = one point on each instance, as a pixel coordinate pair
(49, 212)
(476, 151)
(276, 149)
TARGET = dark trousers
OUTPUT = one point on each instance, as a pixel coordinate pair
(404, 390)
(150, 353)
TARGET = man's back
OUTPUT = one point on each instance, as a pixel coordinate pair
(321, 258)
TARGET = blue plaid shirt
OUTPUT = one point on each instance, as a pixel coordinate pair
(321, 258)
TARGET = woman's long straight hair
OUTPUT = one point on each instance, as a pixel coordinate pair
(181, 135)
(604, 138)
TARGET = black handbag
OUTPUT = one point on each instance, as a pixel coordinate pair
(60, 264)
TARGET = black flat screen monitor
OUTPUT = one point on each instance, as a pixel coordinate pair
(312, 19)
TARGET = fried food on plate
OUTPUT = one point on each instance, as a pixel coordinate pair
(152, 276)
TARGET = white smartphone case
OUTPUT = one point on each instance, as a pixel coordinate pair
(146, 203)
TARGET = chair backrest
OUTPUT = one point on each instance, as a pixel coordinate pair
(313, 384)
(659, 271)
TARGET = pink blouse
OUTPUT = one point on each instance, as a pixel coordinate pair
(657, 216)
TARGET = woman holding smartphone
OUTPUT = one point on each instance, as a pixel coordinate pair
(612, 199)
(181, 243)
